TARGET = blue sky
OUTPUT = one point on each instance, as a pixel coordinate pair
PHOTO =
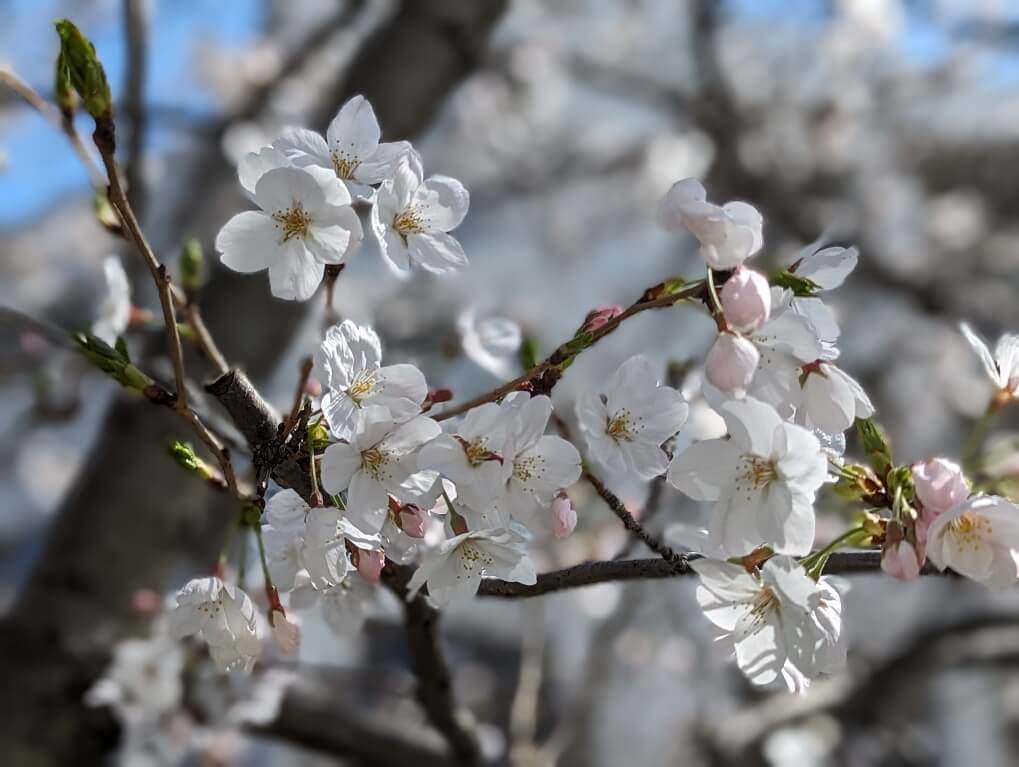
(41, 167)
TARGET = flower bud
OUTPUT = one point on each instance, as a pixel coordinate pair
(900, 560)
(79, 66)
(746, 300)
(192, 266)
(370, 563)
(597, 318)
(564, 517)
(412, 520)
(731, 364)
(939, 485)
(285, 635)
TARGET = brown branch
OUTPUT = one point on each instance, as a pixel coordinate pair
(546, 373)
(313, 716)
(295, 410)
(434, 688)
(591, 573)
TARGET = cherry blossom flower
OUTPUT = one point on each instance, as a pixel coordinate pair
(491, 343)
(783, 625)
(729, 234)
(977, 538)
(303, 225)
(627, 421)
(1003, 366)
(412, 217)
(731, 364)
(901, 560)
(939, 485)
(351, 148)
(286, 510)
(143, 681)
(349, 364)
(472, 457)
(115, 309)
(380, 458)
(763, 480)
(746, 300)
(224, 616)
(454, 569)
(535, 465)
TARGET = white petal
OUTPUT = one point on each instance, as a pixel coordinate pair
(295, 274)
(446, 206)
(255, 164)
(303, 146)
(704, 469)
(279, 188)
(247, 242)
(990, 366)
(437, 253)
(354, 131)
(339, 463)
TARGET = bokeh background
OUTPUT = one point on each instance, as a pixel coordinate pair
(891, 124)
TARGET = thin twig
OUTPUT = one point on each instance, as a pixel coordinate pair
(52, 114)
(203, 338)
(651, 299)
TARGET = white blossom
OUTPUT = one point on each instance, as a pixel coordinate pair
(142, 682)
(454, 569)
(729, 234)
(473, 457)
(978, 538)
(1002, 367)
(783, 625)
(763, 480)
(490, 343)
(535, 465)
(379, 460)
(305, 222)
(731, 364)
(412, 217)
(627, 420)
(224, 616)
(115, 309)
(348, 364)
(351, 148)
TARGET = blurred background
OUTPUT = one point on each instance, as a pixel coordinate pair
(890, 124)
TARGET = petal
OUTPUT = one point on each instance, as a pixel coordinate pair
(437, 253)
(255, 164)
(354, 132)
(304, 147)
(532, 416)
(704, 469)
(401, 388)
(445, 206)
(380, 164)
(286, 510)
(247, 242)
(280, 188)
(752, 424)
(339, 463)
(829, 267)
(295, 274)
(990, 366)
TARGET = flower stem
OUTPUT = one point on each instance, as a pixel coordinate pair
(975, 441)
(819, 557)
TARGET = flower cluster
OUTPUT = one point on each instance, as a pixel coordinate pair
(305, 187)
(462, 499)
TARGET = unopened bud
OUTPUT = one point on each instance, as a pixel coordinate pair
(67, 99)
(746, 300)
(939, 485)
(900, 560)
(564, 517)
(192, 266)
(106, 215)
(370, 563)
(84, 71)
(598, 318)
(876, 445)
(411, 520)
(731, 364)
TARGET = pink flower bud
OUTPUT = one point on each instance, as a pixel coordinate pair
(411, 520)
(285, 635)
(939, 485)
(370, 563)
(596, 318)
(564, 517)
(900, 560)
(746, 300)
(731, 364)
